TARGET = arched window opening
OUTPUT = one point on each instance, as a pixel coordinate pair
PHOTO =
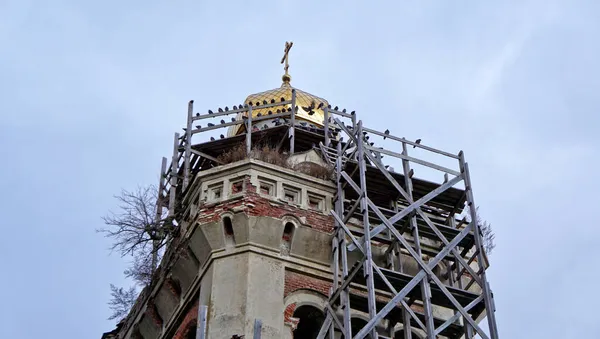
(228, 230)
(175, 286)
(310, 321)
(286, 238)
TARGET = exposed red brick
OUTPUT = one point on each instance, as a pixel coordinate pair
(289, 312)
(173, 286)
(296, 281)
(254, 204)
(152, 312)
(188, 322)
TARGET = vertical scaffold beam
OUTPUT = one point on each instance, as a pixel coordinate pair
(293, 123)
(159, 209)
(326, 125)
(249, 131)
(368, 258)
(188, 146)
(406, 321)
(174, 167)
(339, 210)
(257, 328)
(425, 288)
(201, 327)
(487, 295)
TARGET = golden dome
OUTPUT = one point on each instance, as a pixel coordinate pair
(304, 100)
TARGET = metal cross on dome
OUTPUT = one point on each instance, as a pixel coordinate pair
(286, 51)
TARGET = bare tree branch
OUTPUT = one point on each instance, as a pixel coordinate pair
(140, 229)
(121, 301)
(487, 234)
(135, 228)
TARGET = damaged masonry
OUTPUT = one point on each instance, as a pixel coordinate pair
(292, 225)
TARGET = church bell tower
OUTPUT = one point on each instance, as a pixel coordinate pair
(292, 225)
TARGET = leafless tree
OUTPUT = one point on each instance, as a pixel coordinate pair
(122, 301)
(139, 226)
(487, 234)
(141, 230)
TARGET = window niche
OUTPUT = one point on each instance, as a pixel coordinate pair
(286, 239)
(291, 194)
(215, 192)
(266, 187)
(228, 231)
(316, 202)
(237, 186)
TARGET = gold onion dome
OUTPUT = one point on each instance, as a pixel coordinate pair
(304, 102)
(310, 107)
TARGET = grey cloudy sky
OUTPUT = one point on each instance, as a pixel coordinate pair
(90, 94)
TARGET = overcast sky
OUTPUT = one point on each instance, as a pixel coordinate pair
(91, 94)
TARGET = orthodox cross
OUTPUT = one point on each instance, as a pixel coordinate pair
(286, 51)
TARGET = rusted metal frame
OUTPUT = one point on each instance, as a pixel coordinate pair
(412, 143)
(293, 124)
(201, 327)
(188, 146)
(489, 308)
(415, 160)
(174, 165)
(217, 126)
(326, 125)
(368, 269)
(249, 131)
(426, 270)
(425, 288)
(405, 306)
(457, 316)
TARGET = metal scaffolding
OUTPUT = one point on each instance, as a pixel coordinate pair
(423, 212)
(392, 220)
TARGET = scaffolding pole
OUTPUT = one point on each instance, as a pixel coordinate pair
(409, 216)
